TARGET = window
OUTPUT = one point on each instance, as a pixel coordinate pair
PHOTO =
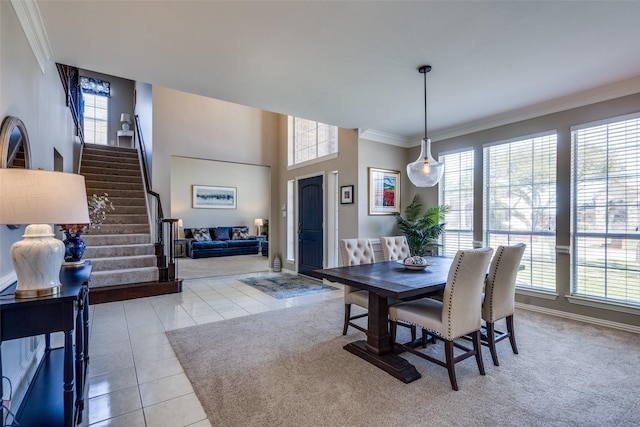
(520, 204)
(95, 94)
(95, 124)
(456, 191)
(309, 140)
(605, 210)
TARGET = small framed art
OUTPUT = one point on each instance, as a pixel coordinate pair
(207, 197)
(346, 194)
(384, 192)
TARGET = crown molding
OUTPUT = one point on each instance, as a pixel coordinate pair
(33, 27)
(593, 96)
(383, 137)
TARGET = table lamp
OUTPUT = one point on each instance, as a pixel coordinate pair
(125, 120)
(40, 198)
(180, 227)
(258, 223)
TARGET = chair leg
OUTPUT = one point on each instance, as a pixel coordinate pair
(491, 342)
(393, 330)
(413, 333)
(451, 367)
(512, 335)
(347, 315)
(477, 347)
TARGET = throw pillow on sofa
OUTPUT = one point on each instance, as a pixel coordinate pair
(201, 234)
(223, 233)
(240, 233)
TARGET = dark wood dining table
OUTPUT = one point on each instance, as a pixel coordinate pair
(385, 280)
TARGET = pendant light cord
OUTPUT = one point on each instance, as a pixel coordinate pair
(425, 105)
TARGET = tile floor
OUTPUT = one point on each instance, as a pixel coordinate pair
(134, 377)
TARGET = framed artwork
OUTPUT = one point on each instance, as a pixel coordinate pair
(384, 192)
(346, 194)
(208, 197)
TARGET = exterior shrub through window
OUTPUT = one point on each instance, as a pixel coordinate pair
(605, 210)
(520, 204)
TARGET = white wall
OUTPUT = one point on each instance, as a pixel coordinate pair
(38, 99)
(252, 183)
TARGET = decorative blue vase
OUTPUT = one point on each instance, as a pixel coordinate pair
(74, 247)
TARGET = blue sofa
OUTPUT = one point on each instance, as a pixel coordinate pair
(220, 241)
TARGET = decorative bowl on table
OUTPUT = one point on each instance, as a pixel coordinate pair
(415, 263)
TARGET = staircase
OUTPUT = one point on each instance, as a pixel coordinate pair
(121, 251)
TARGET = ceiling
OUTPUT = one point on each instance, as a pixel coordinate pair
(355, 64)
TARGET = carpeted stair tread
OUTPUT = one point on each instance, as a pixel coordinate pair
(122, 262)
(108, 186)
(121, 218)
(107, 178)
(116, 239)
(112, 171)
(119, 250)
(126, 201)
(122, 229)
(123, 277)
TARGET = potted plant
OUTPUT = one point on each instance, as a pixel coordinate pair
(422, 230)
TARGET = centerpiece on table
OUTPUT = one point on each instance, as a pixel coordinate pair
(74, 246)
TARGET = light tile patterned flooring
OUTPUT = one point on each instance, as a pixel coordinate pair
(134, 377)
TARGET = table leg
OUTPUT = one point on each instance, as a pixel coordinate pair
(377, 348)
(80, 338)
(68, 379)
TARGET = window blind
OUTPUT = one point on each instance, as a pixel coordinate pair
(95, 124)
(310, 140)
(520, 204)
(456, 191)
(605, 210)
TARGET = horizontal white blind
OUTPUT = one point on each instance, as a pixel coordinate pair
(96, 111)
(605, 211)
(456, 191)
(311, 140)
(520, 204)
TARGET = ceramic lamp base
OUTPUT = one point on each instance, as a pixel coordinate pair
(37, 260)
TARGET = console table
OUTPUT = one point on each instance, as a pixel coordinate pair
(50, 398)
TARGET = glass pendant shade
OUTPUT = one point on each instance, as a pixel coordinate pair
(425, 171)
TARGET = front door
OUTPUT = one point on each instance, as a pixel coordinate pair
(310, 212)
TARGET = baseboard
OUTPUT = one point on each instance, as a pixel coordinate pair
(133, 291)
(580, 318)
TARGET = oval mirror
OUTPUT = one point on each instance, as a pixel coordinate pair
(14, 146)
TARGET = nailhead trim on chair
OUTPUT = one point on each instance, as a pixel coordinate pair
(493, 277)
(455, 278)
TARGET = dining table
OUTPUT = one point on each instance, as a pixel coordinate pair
(387, 281)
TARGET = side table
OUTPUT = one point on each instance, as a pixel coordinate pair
(180, 248)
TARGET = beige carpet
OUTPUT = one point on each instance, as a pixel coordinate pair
(288, 368)
(221, 266)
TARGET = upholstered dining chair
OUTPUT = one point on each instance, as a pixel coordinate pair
(499, 296)
(355, 252)
(457, 315)
(395, 248)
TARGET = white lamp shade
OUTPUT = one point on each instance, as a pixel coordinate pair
(180, 224)
(258, 222)
(425, 171)
(125, 118)
(40, 198)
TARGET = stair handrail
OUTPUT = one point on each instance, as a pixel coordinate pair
(145, 167)
(70, 78)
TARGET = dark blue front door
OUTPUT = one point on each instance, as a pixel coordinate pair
(310, 242)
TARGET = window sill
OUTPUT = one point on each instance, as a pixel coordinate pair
(603, 304)
(314, 161)
(538, 293)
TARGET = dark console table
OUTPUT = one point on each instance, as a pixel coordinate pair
(50, 399)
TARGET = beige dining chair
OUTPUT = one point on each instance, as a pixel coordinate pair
(457, 315)
(355, 252)
(395, 248)
(499, 296)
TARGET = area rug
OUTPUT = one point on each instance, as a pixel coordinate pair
(283, 286)
(287, 368)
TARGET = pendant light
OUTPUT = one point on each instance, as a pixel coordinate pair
(425, 171)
